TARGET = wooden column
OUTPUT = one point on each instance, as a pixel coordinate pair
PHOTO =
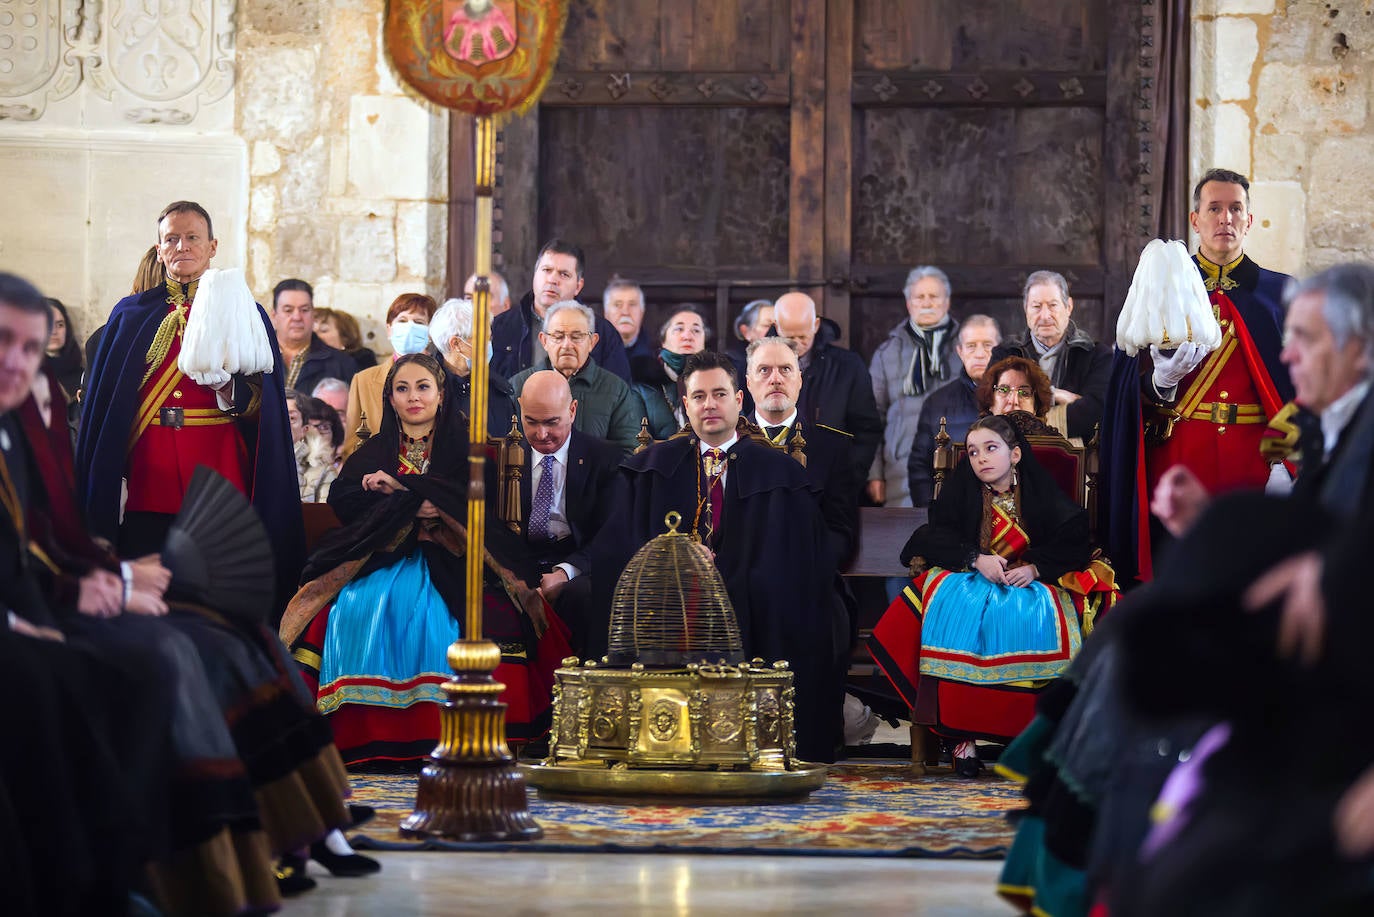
(839, 153)
(806, 229)
(462, 214)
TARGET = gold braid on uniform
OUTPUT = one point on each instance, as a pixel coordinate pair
(172, 326)
(1218, 277)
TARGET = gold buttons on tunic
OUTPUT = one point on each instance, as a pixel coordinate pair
(1221, 429)
(176, 394)
(1225, 395)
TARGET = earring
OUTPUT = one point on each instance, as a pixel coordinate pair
(1013, 475)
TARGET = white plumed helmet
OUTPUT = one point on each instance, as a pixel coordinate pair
(224, 333)
(1167, 303)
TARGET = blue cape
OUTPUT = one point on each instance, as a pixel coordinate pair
(112, 402)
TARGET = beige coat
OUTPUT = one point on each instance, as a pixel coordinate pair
(364, 397)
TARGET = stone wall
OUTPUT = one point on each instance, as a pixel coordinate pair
(281, 116)
(348, 175)
(1281, 91)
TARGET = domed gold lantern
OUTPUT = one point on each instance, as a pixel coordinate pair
(674, 709)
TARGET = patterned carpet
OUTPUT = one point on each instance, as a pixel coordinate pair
(863, 810)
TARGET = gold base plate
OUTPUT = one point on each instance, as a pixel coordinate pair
(621, 784)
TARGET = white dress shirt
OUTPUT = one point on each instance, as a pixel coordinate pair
(558, 512)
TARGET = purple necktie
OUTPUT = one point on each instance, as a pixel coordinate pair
(543, 502)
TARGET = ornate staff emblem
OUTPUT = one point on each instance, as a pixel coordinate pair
(483, 57)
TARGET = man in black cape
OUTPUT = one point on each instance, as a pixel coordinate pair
(763, 526)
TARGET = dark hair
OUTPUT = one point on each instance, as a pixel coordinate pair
(185, 207)
(424, 360)
(71, 350)
(705, 360)
(1040, 383)
(315, 409)
(749, 314)
(995, 423)
(292, 284)
(18, 293)
(1226, 176)
(350, 335)
(556, 246)
(694, 309)
(408, 301)
(151, 272)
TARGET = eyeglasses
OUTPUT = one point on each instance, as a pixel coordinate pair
(321, 426)
(577, 337)
(1007, 390)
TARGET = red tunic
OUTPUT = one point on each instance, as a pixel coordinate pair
(1225, 412)
(162, 458)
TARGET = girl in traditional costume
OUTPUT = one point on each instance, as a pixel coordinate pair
(1005, 597)
(372, 625)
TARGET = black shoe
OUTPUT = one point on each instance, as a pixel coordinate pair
(350, 864)
(360, 814)
(967, 768)
(291, 877)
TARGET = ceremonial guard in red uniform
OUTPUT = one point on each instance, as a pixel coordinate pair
(170, 389)
(1205, 410)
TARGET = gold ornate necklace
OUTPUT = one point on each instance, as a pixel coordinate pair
(417, 451)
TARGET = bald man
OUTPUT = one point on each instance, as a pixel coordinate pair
(836, 389)
(500, 293)
(565, 499)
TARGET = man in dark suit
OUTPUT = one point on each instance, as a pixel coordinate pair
(565, 500)
(774, 379)
(838, 390)
(756, 512)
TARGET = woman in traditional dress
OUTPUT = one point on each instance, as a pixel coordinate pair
(246, 771)
(383, 595)
(1004, 599)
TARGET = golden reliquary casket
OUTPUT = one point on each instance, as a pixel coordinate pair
(674, 709)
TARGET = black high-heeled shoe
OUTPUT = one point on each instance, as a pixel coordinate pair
(360, 814)
(967, 768)
(343, 865)
(291, 877)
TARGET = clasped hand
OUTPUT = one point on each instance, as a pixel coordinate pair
(993, 567)
(382, 482)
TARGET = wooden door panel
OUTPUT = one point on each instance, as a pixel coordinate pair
(671, 35)
(720, 150)
(977, 186)
(691, 192)
(980, 35)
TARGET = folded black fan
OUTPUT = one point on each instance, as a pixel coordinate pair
(218, 550)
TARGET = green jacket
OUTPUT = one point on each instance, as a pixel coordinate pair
(606, 406)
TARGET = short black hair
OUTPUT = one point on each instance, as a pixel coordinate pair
(18, 293)
(186, 207)
(291, 283)
(556, 246)
(1226, 176)
(705, 360)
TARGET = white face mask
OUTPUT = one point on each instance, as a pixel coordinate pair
(408, 337)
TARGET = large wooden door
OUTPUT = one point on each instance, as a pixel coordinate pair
(719, 151)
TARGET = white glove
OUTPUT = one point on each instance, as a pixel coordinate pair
(214, 378)
(1170, 370)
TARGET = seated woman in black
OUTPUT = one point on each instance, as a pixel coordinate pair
(383, 595)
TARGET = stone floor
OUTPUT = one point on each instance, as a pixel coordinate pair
(423, 884)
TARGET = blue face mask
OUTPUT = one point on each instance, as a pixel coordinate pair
(409, 337)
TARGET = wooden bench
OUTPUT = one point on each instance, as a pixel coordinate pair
(883, 532)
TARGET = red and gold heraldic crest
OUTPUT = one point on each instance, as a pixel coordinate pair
(482, 57)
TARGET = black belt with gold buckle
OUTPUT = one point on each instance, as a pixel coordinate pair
(172, 417)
